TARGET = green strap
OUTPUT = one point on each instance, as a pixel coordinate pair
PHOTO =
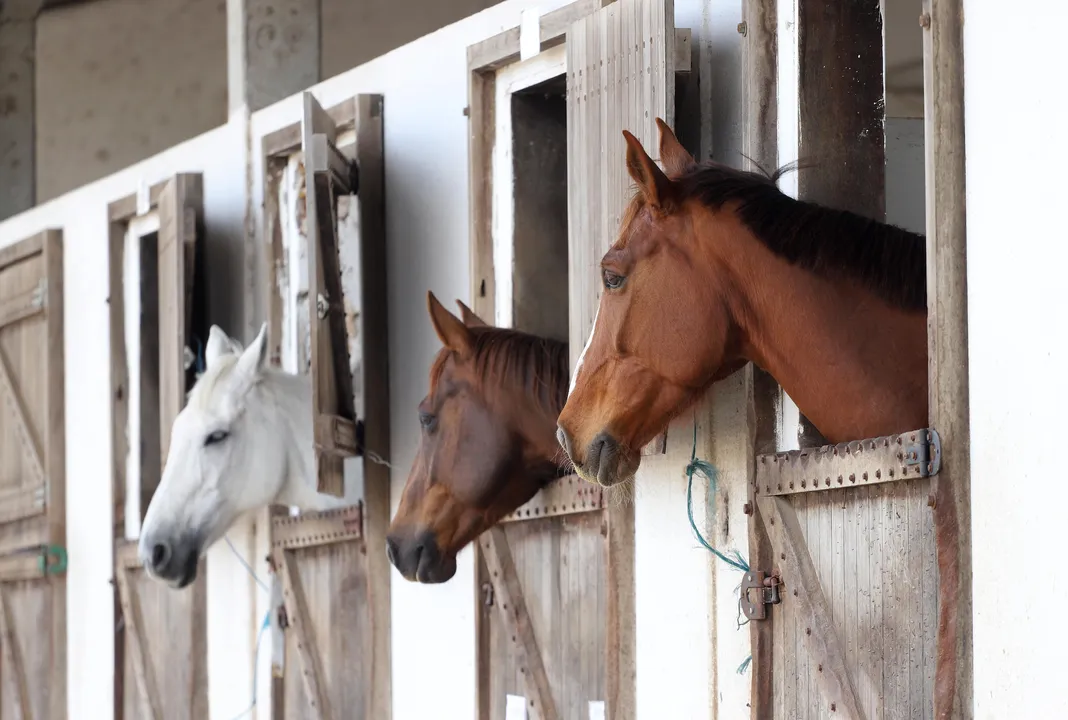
(59, 566)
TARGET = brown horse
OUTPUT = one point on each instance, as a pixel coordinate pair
(487, 443)
(715, 267)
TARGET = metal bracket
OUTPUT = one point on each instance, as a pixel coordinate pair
(758, 591)
(563, 496)
(39, 299)
(310, 529)
(907, 456)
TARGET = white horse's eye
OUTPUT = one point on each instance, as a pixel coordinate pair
(216, 437)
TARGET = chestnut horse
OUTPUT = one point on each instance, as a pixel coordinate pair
(715, 267)
(487, 442)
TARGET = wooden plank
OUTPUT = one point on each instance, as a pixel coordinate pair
(180, 207)
(947, 342)
(152, 705)
(125, 208)
(13, 655)
(760, 60)
(563, 496)
(494, 52)
(120, 445)
(374, 336)
(481, 137)
(21, 306)
(514, 608)
(603, 99)
(17, 411)
(287, 140)
(331, 378)
(802, 586)
(21, 250)
(312, 528)
(307, 647)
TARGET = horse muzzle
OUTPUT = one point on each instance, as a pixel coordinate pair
(173, 561)
(417, 557)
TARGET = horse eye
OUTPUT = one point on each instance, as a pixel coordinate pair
(612, 281)
(216, 437)
(426, 420)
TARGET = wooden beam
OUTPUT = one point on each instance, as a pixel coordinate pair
(374, 314)
(18, 114)
(307, 648)
(514, 610)
(802, 586)
(947, 342)
(134, 626)
(31, 445)
(14, 655)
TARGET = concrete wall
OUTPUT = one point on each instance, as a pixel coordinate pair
(121, 80)
(1018, 351)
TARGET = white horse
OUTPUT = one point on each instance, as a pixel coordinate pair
(242, 442)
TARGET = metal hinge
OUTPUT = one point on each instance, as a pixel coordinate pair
(758, 591)
(39, 300)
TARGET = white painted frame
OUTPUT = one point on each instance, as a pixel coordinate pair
(511, 79)
(136, 230)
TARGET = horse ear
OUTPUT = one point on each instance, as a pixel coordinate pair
(219, 344)
(451, 331)
(655, 186)
(470, 319)
(675, 157)
(254, 357)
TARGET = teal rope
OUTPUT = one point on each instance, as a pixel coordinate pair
(745, 665)
(709, 471)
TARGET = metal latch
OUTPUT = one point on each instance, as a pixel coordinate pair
(758, 591)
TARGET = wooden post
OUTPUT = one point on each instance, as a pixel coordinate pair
(947, 342)
(18, 31)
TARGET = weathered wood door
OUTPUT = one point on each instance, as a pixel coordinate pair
(543, 596)
(33, 556)
(329, 320)
(853, 617)
(163, 634)
(321, 561)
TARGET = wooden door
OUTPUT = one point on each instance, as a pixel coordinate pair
(330, 321)
(33, 556)
(162, 657)
(321, 560)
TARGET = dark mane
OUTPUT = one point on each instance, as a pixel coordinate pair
(538, 365)
(888, 260)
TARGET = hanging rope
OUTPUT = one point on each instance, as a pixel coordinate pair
(709, 471)
(259, 636)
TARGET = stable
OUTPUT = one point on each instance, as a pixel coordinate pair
(485, 162)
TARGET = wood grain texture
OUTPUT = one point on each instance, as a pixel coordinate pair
(34, 670)
(326, 603)
(180, 211)
(560, 564)
(374, 341)
(165, 643)
(513, 606)
(947, 342)
(620, 65)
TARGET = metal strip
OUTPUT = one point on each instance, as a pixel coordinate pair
(907, 456)
(310, 529)
(564, 496)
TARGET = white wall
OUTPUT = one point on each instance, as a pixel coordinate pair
(1016, 152)
(83, 217)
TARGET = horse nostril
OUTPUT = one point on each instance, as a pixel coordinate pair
(564, 440)
(417, 554)
(391, 550)
(161, 555)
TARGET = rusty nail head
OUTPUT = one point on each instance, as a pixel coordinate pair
(782, 556)
(795, 593)
(808, 631)
(832, 707)
(819, 668)
(747, 509)
(931, 500)
(925, 20)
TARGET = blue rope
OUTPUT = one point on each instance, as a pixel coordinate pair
(259, 636)
(709, 471)
(745, 665)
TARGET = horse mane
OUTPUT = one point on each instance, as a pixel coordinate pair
(889, 261)
(537, 364)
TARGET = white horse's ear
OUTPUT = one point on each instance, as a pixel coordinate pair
(254, 357)
(219, 344)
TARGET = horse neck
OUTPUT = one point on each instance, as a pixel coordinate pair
(855, 365)
(288, 398)
(539, 406)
